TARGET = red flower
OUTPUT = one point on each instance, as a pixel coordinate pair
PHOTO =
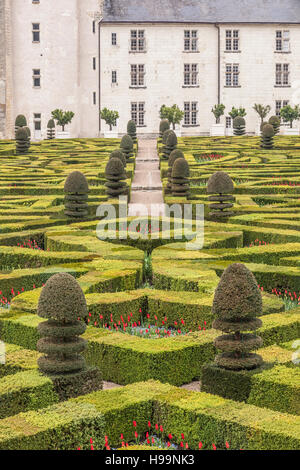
(149, 424)
(214, 447)
(227, 445)
(134, 423)
(170, 436)
(200, 445)
(182, 436)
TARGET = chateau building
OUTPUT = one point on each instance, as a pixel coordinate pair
(133, 56)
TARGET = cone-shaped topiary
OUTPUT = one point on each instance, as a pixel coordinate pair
(163, 127)
(119, 154)
(170, 144)
(116, 176)
(76, 195)
(180, 178)
(127, 147)
(221, 185)
(21, 140)
(239, 126)
(275, 122)
(267, 137)
(131, 130)
(28, 136)
(173, 157)
(51, 129)
(236, 305)
(20, 122)
(62, 302)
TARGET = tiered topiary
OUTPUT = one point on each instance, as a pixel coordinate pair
(180, 178)
(262, 126)
(116, 176)
(62, 303)
(28, 136)
(275, 122)
(163, 127)
(131, 130)
(239, 126)
(236, 305)
(173, 157)
(51, 129)
(221, 185)
(267, 137)
(21, 141)
(127, 147)
(20, 122)
(170, 144)
(119, 154)
(76, 196)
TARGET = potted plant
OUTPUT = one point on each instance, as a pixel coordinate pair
(262, 111)
(110, 117)
(218, 129)
(62, 118)
(174, 115)
(290, 115)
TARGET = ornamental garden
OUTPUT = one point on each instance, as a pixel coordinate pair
(203, 344)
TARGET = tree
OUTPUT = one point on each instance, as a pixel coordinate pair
(110, 117)
(235, 112)
(290, 114)
(173, 114)
(262, 111)
(62, 117)
(218, 111)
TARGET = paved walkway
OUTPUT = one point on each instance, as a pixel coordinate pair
(146, 190)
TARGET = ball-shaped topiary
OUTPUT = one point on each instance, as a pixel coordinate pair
(20, 121)
(163, 127)
(170, 145)
(76, 195)
(61, 302)
(173, 157)
(131, 130)
(239, 126)
(51, 129)
(267, 137)
(275, 122)
(221, 186)
(126, 146)
(180, 178)
(119, 154)
(116, 176)
(21, 140)
(236, 305)
(166, 135)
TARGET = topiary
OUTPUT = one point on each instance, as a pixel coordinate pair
(163, 127)
(51, 129)
(267, 137)
(28, 136)
(222, 186)
(173, 157)
(275, 122)
(239, 125)
(62, 302)
(116, 176)
(131, 130)
(119, 154)
(76, 195)
(20, 122)
(127, 146)
(262, 125)
(180, 178)
(170, 144)
(236, 305)
(21, 141)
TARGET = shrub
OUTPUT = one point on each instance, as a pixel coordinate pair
(21, 141)
(170, 145)
(126, 147)
(275, 122)
(120, 155)
(218, 111)
(20, 122)
(115, 175)
(237, 112)
(28, 136)
(173, 157)
(51, 129)
(173, 114)
(290, 114)
(267, 137)
(131, 130)
(163, 127)
(76, 195)
(62, 117)
(221, 185)
(239, 125)
(237, 303)
(110, 117)
(180, 178)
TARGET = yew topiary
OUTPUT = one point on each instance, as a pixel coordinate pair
(170, 144)
(51, 129)
(21, 141)
(239, 126)
(76, 195)
(180, 178)
(131, 130)
(236, 305)
(163, 127)
(267, 137)
(173, 157)
(126, 147)
(220, 185)
(119, 154)
(116, 176)
(28, 136)
(20, 122)
(275, 122)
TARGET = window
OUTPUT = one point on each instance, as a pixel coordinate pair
(282, 74)
(280, 104)
(137, 75)
(36, 78)
(137, 40)
(138, 113)
(232, 40)
(191, 113)
(113, 39)
(94, 98)
(282, 41)
(37, 121)
(232, 75)
(191, 40)
(94, 63)
(228, 122)
(35, 32)
(94, 26)
(190, 74)
(114, 76)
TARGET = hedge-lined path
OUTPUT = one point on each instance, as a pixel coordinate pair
(146, 189)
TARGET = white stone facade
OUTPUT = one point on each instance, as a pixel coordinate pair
(76, 60)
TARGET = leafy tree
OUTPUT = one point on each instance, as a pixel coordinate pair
(110, 117)
(218, 111)
(62, 117)
(235, 112)
(262, 111)
(290, 114)
(173, 114)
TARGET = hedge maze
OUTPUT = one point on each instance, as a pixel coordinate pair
(150, 315)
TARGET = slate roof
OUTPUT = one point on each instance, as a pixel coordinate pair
(201, 11)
